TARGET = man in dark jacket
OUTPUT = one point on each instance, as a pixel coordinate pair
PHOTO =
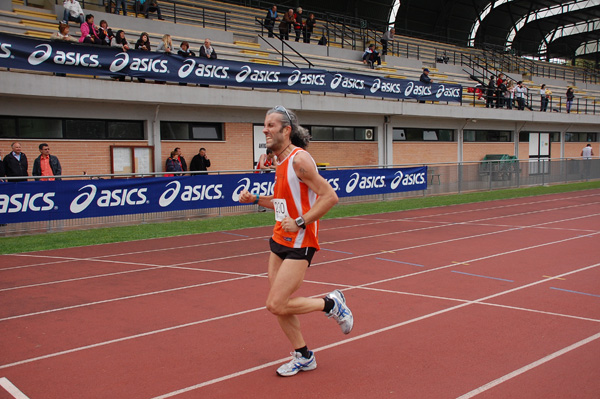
(46, 164)
(15, 163)
(200, 162)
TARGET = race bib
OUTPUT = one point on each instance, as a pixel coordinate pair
(280, 209)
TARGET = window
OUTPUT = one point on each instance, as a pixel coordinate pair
(524, 137)
(419, 134)
(72, 129)
(341, 133)
(488, 136)
(191, 131)
(581, 137)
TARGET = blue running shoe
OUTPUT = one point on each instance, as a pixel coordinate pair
(340, 312)
(298, 363)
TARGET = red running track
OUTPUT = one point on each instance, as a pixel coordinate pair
(489, 300)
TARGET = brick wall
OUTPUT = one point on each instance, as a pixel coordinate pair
(344, 153)
(417, 152)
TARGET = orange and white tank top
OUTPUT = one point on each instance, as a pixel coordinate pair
(293, 198)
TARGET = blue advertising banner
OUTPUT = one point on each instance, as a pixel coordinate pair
(71, 199)
(62, 57)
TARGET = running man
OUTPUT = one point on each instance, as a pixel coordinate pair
(301, 197)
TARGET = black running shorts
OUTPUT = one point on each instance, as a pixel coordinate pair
(292, 253)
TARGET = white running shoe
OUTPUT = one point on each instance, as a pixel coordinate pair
(298, 363)
(340, 312)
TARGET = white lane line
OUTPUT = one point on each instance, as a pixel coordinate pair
(314, 265)
(528, 367)
(132, 296)
(11, 389)
(36, 254)
(365, 335)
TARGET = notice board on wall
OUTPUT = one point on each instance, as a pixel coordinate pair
(131, 159)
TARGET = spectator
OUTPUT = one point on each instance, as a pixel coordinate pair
(121, 4)
(500, 90)
(285, 24)
(200, 162)
(520, 95)
(207, 51)
(120, 41)
(72, 12)
(544, 98)
(270, 20)
(371, 56)
(173, 164)
(105, 33)
(2, 171)
(181, 159)
(309, 27)
(46, 164)
(570, 98)
(147, 7)
(266, 162)
(387, 39)
(298, 24)
(185, 52)
(443, 58)
(166, 44)
(510, 94)
(143, 44)
(587, 152)
(89, 32)
(490, 93)
(15, 163)
(425, 79)
(63, 33)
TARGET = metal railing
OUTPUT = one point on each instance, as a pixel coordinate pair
(442, 178)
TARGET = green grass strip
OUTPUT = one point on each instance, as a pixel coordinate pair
(78, 238)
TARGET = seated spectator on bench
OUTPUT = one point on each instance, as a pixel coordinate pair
(89, 32)
(143, 44)
(120, 41)
(73, 11)
(166, 45)
(148, 6)
(63, 33)
(105, 33)
(371, 56)
(207, 51)
(185, 50)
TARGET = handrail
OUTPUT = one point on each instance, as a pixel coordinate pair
(283, 42)
(237, 171)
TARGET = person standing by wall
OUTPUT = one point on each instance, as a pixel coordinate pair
(46, 164)
(15, 163)
(300, 198)
(200, 162)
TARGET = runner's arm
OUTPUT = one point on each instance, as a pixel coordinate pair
(326, 197)
(265, 201)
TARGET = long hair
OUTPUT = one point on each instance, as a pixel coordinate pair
(299, 136)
